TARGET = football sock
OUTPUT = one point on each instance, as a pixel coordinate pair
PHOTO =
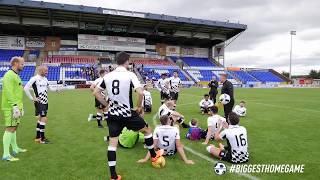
(180, 120)
(14, 141)
(105, 115)
(112, 161)
(38, 130)
(148, 140)
(7, 136)
(99, 118)
(42, 130)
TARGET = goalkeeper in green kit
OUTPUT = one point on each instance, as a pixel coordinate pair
(12, 108)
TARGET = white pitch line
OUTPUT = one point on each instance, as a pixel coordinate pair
(202, 155)
(213, 161)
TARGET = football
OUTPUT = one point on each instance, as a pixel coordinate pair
(160, 163)
(220, 168)
(224, 98)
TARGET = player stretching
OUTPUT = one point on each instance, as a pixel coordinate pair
(39, 84)
(167, 137)
(101, 109)
(163, 86)
(119, 85)
(174, 87)
(12, 108)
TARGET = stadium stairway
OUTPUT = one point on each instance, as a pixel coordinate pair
(139, 75)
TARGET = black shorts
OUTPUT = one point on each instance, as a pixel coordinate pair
(41, 109)
(225, 155)
(98, 104)
(164, 96)
(174, 95)
(147, 108)
(117, 123)
(205, 110)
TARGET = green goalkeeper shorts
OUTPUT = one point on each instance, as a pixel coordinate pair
(9, 120)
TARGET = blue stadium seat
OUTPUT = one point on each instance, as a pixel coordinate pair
(192, 61)
(53, 73)
(35, 53)
(265, 76)
(157, 71)
(25, 75)
(244, 76)
(6, 55)
(205, 75)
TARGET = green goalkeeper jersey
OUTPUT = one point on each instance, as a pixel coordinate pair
(12, 91)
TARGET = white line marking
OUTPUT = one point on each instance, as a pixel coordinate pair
(200, 154)
(213, 161)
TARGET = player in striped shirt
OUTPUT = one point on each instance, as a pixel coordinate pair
(40, 84)
(119, 86)
(236, 136)
(163, 86)
(174, 82)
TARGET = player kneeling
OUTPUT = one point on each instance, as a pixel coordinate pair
(237, 149)
(240, 109)
(167, 137)
(205, 104)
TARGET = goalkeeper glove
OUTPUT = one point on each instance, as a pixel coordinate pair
(16, 112)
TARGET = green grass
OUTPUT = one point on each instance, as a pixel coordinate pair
(283, 128)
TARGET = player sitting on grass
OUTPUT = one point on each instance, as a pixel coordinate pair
(167, 108)
(167, 137)
(147, 99)
(205, 104)
(236, 136)
(214, 121)
(240, 109)
(195, 132)
(101, 109)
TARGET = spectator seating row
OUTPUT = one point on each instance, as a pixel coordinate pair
(6, 55)
(152, 62)
(155, 73)
(265, 76)
(25, 75)
(71, 59)
(198, 62)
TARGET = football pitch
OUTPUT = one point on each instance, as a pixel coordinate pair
(282, 124)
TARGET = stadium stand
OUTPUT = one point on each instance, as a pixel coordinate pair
(152, 62)
(265, 76)
(156, 71)
(198, 62)
(244, 76)
(35, 53)
(205, 75)
(53, 73)
(6, 55)
(25, 75)
(71, 59)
